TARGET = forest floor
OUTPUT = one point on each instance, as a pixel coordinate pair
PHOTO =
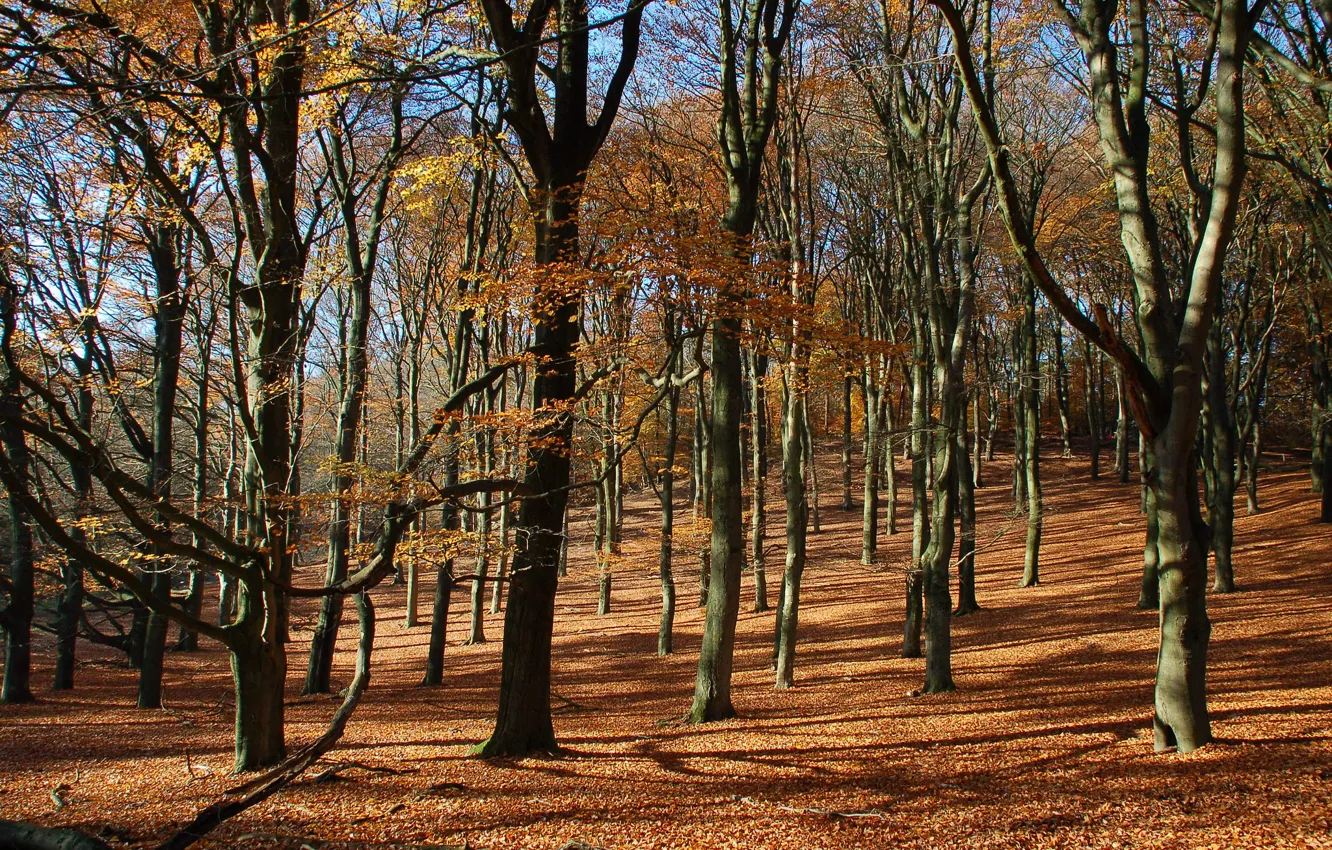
(1047, 742)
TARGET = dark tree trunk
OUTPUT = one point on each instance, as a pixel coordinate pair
(16, 616)
(523, 721)
(258, 670)
(966, 546)
(169, 322)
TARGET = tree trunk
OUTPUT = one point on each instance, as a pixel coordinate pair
(797, 521)
(1149, 595)
(848, 504)
(258, 671)
(1061, 386)
(888, 463)
(16, 616)
(665, 631)
(1182, 718)
(966, 514)
(1221, 505)
(523, 721)
(1121, 430)
(1092, 403)
(1031, 431)
(937, 556)
(168, 321)
(812, 467)
(869, 528)
(920, 505)
(712, 691)
(758, 476)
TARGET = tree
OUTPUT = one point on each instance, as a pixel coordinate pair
(1165, 381)
(558, 149)
(752, 36)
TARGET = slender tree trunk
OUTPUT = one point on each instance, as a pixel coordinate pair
(1061, 386)
(1093, 406)
(69, 605)
(665, 631)
(758, 476)
(966, 514)
(889, 461)
(920, 505)
(797, 521)
(848, 504)
(1221, 505)
(477, 628)
(1121, 430)
(168, 320)
(977, 478)
(1031, 394)
(813, 474)
(869, 528)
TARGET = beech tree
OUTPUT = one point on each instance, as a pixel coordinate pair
(1165, 380)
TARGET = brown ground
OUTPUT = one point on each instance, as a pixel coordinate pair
(1046, 744)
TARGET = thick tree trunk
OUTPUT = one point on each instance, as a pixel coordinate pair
(937, 557)
(712, 691)
(1182, 718)
(1149, 592)
(439, 618)
(69, 609)
(16, 617)
(523, 721)
(259, 673)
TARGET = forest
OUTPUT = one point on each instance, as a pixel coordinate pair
(585, 424)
